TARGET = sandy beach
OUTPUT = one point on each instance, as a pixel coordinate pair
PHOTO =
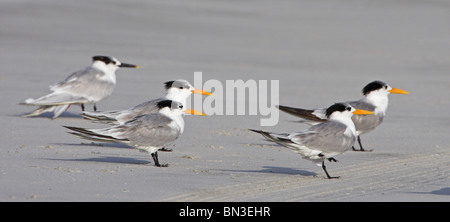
(321, 52)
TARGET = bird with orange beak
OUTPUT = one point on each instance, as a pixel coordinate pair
(325, 140)
(178, 90)
(148, 133)
(375, 100)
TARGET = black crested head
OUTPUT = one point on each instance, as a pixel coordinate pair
(181, 84)
(105, 59)
(339, 107)
(164, 103)
(168, 84)
(375, 85)
(169, 103)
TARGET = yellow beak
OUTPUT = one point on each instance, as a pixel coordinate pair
(193, 112)
(362, 112)
(398, 91)
(199, 91)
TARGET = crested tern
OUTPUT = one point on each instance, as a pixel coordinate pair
(86, 86)
(324, 140)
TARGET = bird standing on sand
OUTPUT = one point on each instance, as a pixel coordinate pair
(375, 100)
(86, 86)
(148, 133)
(178, 90)
(324, 140)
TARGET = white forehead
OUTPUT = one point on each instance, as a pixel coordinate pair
(115, 60)
(176, 105)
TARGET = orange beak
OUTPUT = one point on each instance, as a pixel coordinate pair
(199, 91)
(193, 112)
(398, 91)
(362, 112)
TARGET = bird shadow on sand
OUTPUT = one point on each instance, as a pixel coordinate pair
(108, 159)
(94, 144)
(104, 159)
(276, 170)
(443, 191)
(263, 145)
(65, 115)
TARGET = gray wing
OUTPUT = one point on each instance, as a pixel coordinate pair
(362, 105)
(328, 137)
(320, 141)
(144, 108)
(365, 123)
(56, 98)
(102, 116)
(88, 83)
(123, 116)
(147, 107)
(153, 130)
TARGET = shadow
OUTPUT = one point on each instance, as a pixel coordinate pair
(94, 144)
(442, 191)
(48, 115)
(268, 144)
(381, 155)
(276, 170)
(107, 159)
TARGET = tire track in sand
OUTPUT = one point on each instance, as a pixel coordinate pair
(377, 176)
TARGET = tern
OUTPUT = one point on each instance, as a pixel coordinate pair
(148, 133)
(178, 90)
(324, 140)
(86, 86)
(375, 100)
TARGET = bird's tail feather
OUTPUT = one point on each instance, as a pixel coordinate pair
(298, 112)
(100, 117)
(56, 98)
(91, 135)
(263, 133)
(57, 110)
(40, 110)
(86, 137)
(279, 138)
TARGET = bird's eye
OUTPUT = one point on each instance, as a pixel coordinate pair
(348, 108)
(180, 106)
(180, 87)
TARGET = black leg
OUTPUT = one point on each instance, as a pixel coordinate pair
(95, 107)
(82, 107)
(360, 145)
(156, 160)
(325, 169)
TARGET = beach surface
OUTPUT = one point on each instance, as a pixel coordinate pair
(321, 52)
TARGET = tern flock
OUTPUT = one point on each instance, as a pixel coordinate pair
(153, 125)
